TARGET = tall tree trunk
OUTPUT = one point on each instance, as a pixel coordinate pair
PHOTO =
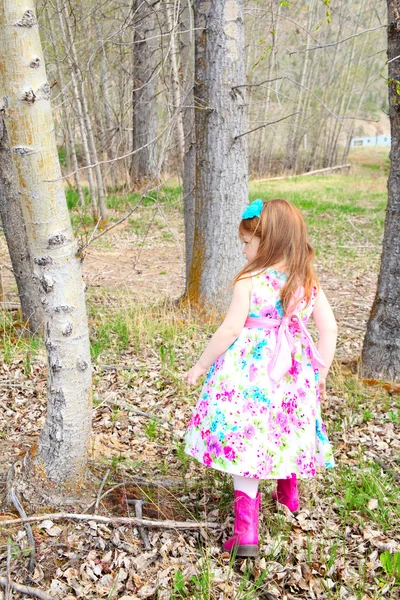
(189, 160)
(221, 156)
(17, 241)
(381, 349)
(144, 162)
(59, 460)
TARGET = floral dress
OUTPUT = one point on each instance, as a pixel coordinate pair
(245, 423)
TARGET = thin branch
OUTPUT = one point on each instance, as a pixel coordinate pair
(266, 125)
(336, 43)
(142, 530)
(96, 506)
(28, 530)
(300, 85)
(167, 524)
(25, 589)
(111, 160)
(136, 411)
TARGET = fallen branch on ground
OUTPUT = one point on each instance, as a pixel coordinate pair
(316, 172)
(114, 521)
(136, 411)
(25, 589)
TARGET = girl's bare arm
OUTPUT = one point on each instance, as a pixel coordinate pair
(326, 324)
(227, 333)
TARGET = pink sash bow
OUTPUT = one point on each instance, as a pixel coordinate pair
(281, 361)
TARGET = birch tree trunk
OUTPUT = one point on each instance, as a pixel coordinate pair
(59, 459)
(17, 242)
(381, 349)
(221, 156)
(144, 162)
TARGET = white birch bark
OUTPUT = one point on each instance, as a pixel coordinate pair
(59, 459)
(221, 156)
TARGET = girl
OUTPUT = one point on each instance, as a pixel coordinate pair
(258, 415)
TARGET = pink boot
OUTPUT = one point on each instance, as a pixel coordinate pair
(287, 493)
(245, 537)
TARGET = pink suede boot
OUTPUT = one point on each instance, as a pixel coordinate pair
(287, 493)
(245, 532)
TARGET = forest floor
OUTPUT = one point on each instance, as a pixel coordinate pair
(344, 542)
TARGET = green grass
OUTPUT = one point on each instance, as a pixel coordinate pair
(17, 342)
(337, 209)
(361, 485)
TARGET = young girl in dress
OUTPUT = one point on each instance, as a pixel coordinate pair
(258, 415)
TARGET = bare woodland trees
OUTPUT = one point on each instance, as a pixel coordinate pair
(381, 350)
(60, 456)
(221, 148)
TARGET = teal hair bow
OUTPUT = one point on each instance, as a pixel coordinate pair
(253, 210)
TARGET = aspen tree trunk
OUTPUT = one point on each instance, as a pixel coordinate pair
(381, 349)
(17, 241)
(59, 459)
(189, 161)
(144, 162)
(221, 157)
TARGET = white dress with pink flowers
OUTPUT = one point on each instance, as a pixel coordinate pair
(247, 423)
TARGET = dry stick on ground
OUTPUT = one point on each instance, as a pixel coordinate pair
(137, 411)
(315, 172)
(142, 531)
(167, 524)
(25, 589)
(96, 506)
(29, 535)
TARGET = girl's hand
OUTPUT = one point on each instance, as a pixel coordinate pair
(322, 388)
(194, 373)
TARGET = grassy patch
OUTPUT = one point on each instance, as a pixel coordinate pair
(345, 215)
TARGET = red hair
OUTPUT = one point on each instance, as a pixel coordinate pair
(283, 238)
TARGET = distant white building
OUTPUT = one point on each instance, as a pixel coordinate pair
(376, 140)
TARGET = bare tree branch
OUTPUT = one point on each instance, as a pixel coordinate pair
(330, 45)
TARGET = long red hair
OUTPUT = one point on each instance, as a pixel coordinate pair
(283, 239)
